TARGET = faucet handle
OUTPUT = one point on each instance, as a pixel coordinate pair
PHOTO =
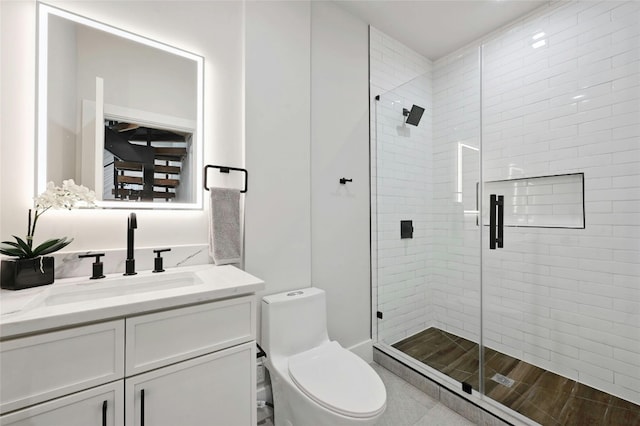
(157, 262)
(97, 272)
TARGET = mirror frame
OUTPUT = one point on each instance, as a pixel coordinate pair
(44, 11)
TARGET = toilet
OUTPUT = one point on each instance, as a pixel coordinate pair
(315, 381)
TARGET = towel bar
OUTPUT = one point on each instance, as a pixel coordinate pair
(226, 169)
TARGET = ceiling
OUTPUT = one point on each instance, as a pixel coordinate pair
(435, 28)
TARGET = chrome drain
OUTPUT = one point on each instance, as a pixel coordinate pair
(503, 380)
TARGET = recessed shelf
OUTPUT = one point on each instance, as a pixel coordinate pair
(541, 201)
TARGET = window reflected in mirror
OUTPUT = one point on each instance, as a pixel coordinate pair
(144, 163)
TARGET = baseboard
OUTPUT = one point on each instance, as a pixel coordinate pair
(364, 350)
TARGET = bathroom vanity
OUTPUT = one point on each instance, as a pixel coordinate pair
(79, 353)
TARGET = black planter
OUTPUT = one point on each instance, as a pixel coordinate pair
(17, 274)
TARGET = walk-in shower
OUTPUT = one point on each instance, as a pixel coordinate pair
(519, 287)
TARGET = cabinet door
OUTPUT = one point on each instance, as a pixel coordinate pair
(101, 406)
(214, 389)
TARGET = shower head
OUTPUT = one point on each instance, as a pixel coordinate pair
(413, 116)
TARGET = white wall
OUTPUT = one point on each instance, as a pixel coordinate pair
(135, 75)
(211, 29)
(339, 147)
(306, 127)
(278, 205)
(62, 106)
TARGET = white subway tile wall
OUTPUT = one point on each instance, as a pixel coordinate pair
(455, 267)
(560, 94)
(568, 299)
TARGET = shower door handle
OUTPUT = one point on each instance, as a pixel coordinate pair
(496, 221)
(499, 239)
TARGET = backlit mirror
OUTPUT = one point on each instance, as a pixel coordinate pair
(118, 113)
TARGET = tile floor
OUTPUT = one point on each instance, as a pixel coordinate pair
(408, 406)
(541, 395)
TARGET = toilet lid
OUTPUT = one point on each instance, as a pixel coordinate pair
(338, 380)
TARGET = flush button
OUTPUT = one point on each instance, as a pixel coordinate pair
(295, 293)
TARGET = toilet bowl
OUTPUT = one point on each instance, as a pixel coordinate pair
(315, 381)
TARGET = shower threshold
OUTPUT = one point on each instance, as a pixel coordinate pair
(543, 396)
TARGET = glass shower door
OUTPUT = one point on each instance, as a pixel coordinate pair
(426, 248)
(561, 301)
(402, 181)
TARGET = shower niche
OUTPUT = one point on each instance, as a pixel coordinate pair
(541, 201)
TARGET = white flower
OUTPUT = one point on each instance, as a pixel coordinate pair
(68, 196)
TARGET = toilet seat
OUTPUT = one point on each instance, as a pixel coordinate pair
(338, 380)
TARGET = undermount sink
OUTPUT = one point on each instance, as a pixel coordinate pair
(115, 287)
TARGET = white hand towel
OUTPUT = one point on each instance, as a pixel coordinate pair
(224, 226)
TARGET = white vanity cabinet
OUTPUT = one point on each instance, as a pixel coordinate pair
(192, 365)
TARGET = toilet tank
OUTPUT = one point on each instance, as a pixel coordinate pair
(294, 321)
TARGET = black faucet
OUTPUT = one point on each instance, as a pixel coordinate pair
(130, 264)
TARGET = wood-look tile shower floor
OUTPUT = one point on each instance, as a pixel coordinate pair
(543, 396)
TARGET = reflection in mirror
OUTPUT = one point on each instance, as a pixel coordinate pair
(118, 113)
(468, 165)
(143, 163)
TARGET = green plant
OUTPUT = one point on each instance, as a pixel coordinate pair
(22, 250)
(68, 196)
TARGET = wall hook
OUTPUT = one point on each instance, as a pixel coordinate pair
(345, 180)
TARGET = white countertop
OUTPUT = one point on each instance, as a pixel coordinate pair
(72, 301)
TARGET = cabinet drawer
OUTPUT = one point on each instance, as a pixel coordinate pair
(163, 338)
(41, 367)
(95, 407)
